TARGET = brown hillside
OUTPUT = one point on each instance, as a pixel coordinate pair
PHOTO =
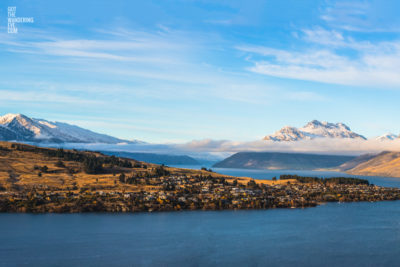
(383, 164)
(24, 167)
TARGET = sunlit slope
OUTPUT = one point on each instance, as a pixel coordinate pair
(383, 164)
(41, 168)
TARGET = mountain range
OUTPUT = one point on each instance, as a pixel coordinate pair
(18, 127)
(316, 129)
(385, 164)
(387, 136)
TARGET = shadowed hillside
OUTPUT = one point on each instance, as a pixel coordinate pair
(276, 161)
(155, 158)
(356, 161)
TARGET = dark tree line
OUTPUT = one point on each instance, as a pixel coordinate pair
(91, 164)
(332, 180)
(161, 171)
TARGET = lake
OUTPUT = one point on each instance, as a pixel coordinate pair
(348, 234)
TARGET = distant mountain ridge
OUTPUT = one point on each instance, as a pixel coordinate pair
(312, 130)
(155, 158)
(18, 127)
(356, 161)
(282, 161)
(385, 164)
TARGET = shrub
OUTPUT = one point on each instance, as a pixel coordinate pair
(60, 164)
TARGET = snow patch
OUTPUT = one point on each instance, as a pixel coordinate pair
(312, 130)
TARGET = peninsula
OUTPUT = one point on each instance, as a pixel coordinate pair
(35, 179)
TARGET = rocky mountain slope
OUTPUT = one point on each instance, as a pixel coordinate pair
(18, 127)
(312, 130)
(387, 137)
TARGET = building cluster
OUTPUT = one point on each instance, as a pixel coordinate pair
(174, 192)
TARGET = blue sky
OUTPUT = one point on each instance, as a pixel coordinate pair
(175, 71)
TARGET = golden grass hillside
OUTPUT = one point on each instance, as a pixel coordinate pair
(25, 167)
(383, 164)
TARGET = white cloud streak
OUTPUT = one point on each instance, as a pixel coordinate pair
(333, 59)
(164, 65)
(322, 146)
(219, 149)
(359, 16)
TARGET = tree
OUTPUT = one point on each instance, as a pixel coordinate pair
(161, 171)
(74, 186)
(44, 168)
(251, 183)
(60, 164)
(122, 177)
(60, 153)
(93, 165)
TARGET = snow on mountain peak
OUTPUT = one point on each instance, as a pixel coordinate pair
(312, 130)
(19, 127)
(46, 123)
(287, 133)
(10, 117)
(387, 137)
(20, 122)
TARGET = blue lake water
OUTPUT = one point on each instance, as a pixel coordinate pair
(268, 174)
(349, 234)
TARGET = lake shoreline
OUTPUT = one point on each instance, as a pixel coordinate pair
(209, 194)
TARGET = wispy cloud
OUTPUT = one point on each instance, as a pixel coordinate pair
(358, 16)
(333, 58)
(8, 96)
(164, 64)
(138, 47)
(222, 148)
(219, 21)
(322, 145)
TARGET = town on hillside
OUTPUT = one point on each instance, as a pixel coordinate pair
(35, 179)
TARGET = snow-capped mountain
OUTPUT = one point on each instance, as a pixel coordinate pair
(387, 137)
(312, 130)
(18, 127)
